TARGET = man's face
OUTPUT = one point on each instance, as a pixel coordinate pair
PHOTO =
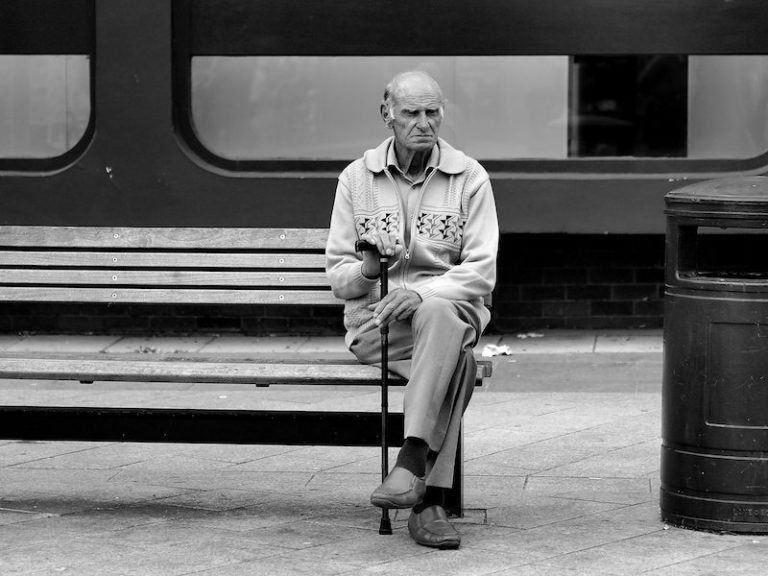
(416, 115)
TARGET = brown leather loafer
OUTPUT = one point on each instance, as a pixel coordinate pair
(400, 489)
(431, 528)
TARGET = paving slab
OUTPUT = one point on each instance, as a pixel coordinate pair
(624, 372)
(158, 344)
(8, 340)
(549, 342)
(627, 491)
(637, 460)
(645, 552)
(629, 342)
(88, 344)
(326, 347)
(739, 560)
(234, 344)
(581, 532)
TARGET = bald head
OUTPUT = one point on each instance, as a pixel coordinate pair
(410, 81)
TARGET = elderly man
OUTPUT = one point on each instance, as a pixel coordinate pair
(430, 208)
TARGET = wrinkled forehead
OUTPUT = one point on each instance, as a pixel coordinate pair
(419, 91)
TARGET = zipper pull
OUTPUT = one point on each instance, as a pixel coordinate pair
(407, 254)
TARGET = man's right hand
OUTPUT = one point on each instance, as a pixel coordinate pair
(386, 244)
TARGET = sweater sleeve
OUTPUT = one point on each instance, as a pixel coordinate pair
(343, 265)
(475, 275)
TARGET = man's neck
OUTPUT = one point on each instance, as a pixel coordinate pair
(412, 163)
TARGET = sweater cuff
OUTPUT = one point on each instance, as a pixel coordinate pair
(361, 280)
(425, 292)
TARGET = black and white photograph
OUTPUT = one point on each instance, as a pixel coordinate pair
(394, 287)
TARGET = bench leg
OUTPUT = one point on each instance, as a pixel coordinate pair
(454, 498)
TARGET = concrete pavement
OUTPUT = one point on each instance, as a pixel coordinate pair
(562, 466)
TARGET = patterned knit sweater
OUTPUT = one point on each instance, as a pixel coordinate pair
(453, 233)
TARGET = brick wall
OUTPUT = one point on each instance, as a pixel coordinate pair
(137, 319)
(579, 281)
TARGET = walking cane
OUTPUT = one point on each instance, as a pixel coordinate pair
(385, 527)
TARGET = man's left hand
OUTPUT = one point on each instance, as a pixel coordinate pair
(399, 304)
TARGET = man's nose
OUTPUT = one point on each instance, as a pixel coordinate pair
(423, 121)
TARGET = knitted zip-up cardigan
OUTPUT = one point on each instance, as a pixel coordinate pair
(453, 234)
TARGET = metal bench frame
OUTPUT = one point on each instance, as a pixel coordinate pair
(212, 266)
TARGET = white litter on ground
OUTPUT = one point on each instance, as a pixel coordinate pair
(530, 335)
(496, 350)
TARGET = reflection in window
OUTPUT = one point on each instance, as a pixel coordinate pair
(499, 107)
(45, 104)
(728, 106)
(629, 106)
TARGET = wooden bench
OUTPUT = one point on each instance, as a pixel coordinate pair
(211, 266)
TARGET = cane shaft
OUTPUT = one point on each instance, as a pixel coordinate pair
(386, 526)
(384, 406)
(362, 246)
(384, 329)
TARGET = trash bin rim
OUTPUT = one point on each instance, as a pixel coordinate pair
(747, 189)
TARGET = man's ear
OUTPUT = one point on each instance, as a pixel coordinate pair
(385, 115)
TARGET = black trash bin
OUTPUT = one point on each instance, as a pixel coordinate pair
(714, 461)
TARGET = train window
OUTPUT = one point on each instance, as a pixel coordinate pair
(309, 107)
(46, 61)
(500, 107)
(669, 106)
(45, 104)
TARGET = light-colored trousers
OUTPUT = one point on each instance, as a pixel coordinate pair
(433, 349)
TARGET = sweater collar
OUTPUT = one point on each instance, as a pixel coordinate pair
(452, 161)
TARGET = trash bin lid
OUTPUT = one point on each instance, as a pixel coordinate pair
(742, 196)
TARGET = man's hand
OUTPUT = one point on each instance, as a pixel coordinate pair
(386, 244)
(399, 304)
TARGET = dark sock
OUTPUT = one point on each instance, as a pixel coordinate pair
(433, 496)
(413, 456)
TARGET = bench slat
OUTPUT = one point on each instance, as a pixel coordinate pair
(162, 370)
(128, 237)
(167, 296)
(161, 259)
(176, 278)
(219, 369)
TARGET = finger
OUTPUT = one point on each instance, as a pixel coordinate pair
(402, 306)
(396, 302)
(402, 311)
(383, 241)
(374, 239)
(368, 238)
(383, 312)
(367, 255)
(390, 244)
(411, 302)
(404, 315)
(379, 306)
(407, 307)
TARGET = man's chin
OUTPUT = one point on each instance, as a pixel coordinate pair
(422, 143)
